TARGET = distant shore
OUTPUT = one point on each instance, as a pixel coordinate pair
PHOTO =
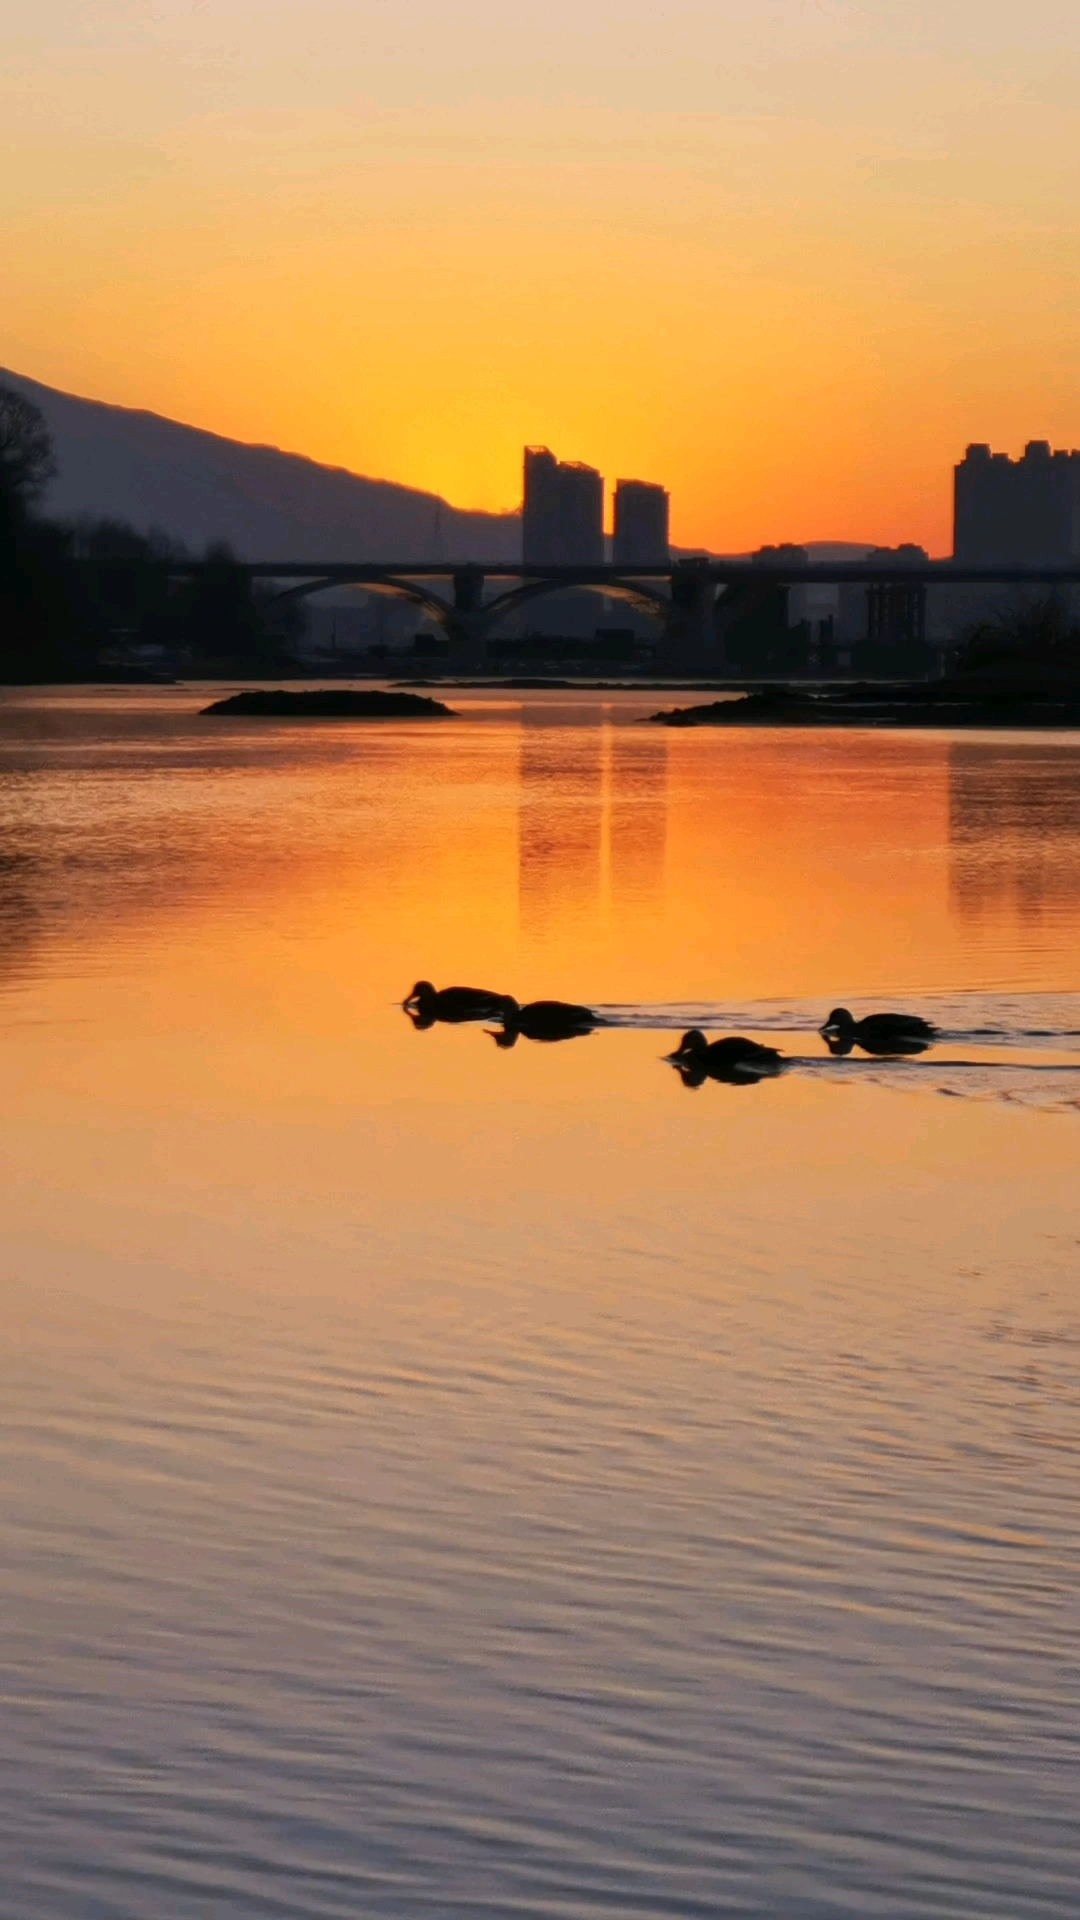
(942, 703)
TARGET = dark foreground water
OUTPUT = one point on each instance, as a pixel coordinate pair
(439, 1480)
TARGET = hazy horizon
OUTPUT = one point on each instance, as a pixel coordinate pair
(62, 499)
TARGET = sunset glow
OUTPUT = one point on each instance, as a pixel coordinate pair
(786, 260)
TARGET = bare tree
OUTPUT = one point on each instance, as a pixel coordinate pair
(26, 455)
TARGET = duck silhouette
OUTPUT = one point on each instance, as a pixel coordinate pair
(735, 1061)
(544, 1020)
(878, 1033)
(453, 1005)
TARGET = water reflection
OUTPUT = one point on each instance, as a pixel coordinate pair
(1014, 828)
(592, 801)
(20, 914)
(637, 818)
(560, 815)
(631, 1503)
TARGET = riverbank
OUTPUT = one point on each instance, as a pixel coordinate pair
(942, 703)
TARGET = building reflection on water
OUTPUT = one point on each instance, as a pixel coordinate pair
(592, 820)
(1014, 828)
(637, 815)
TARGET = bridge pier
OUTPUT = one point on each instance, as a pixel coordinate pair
(467, 620)
(691, 643)
(738, 603)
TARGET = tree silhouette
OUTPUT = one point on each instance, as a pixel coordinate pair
(26, 455)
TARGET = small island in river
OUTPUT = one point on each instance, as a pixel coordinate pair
(328, 703)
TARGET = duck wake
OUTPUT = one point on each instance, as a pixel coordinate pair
(1022, 1021)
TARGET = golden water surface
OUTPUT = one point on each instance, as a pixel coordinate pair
(447, 1480)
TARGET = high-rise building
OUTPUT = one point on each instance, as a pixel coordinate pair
(540, 513)
(641, 524)
(1017, 512)
(563, 518)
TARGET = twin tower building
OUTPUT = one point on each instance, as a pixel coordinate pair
(563, 519)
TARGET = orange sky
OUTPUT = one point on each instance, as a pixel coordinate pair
(786, 258)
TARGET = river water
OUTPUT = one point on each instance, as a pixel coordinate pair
(442, 1480)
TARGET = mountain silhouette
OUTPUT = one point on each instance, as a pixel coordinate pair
(119, 463)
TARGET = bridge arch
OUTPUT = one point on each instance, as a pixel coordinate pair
(391, 586)
(481, 619)
(649, 599)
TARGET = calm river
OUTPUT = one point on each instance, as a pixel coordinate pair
(440, 1480)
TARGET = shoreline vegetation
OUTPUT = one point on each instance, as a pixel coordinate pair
(1023, 671)
(327, 703)
(93, 602)
(938, 704)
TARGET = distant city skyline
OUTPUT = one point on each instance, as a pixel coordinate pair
(163, 474)
(867, 533)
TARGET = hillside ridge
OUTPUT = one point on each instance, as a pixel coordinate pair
(199, 486)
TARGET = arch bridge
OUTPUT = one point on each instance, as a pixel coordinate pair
(697, 599)
(464, 607)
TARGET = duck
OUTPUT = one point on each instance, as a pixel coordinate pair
(734, 1059)
(544, 1020)
(453, 1004)
(880, 1033)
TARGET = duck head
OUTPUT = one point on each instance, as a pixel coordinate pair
(421, 1004)
(839, 1024)
(691, 1049)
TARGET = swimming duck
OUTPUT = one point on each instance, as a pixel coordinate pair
(454, 1004)
(544, 1020)
(734, 1059)
(880, 1033)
